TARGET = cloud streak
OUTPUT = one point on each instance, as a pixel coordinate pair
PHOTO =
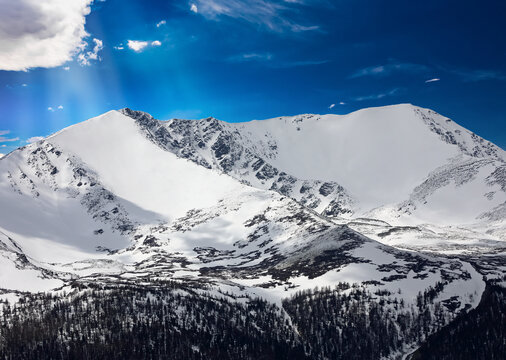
(479, 75)
(3, 138)
(270, 15)
(465, 75)
(377, 96)
(291, 64)
(388, 69)
(269, 60)
(250, 57)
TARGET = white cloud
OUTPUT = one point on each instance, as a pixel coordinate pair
(331, 106)
(52, 109)
(342, 103)
(34, 139)
(66, 68)
(136, 45)
(119, 47)
(24, 85)
(6, 139)
(36, 33)
(139, 46)
(432, 80)
(3, 145)
(163, 22)
(84, 58)
(272, 15)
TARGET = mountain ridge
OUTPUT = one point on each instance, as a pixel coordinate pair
(125, 201)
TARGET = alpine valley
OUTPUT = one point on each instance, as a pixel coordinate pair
(380, 234)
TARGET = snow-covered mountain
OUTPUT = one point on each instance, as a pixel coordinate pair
(264, 208)
(401, 164)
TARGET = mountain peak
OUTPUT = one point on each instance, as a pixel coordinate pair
(136, 114)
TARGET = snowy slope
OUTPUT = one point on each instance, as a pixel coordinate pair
(83, 191)
(401, 164)
(379, 154)
(367, 159)
(123, 198)
(338, 148)
(131, 167)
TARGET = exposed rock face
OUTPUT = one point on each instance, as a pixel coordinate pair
(218, 145)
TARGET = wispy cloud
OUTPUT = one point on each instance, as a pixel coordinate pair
(388, 69)
(84, 58)
(9, 86)
(271, 15)
(161, 23)
(465, 75)
(3, 138)
(290, 64)
(479, 75)
(332, 106)
(377, 96)
(251, 57)
(269, 60)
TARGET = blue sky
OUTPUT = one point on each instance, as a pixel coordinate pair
(239, 60)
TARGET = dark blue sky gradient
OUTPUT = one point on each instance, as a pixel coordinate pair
(237, 69)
